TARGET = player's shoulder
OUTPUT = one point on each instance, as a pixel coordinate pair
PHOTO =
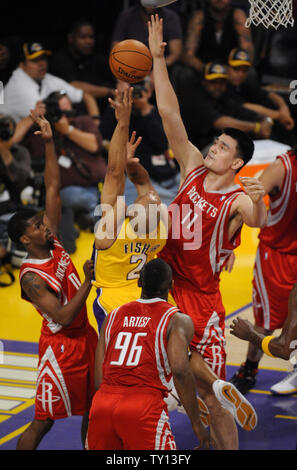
(179, 319)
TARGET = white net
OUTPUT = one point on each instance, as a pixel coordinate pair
(270, 13)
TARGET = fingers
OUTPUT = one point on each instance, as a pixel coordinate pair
(248, 181)
(132, 138)
(122, 98)
(252, 186)
(134, 144)
(138, 141)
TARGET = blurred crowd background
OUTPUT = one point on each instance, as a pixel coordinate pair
(54, 58)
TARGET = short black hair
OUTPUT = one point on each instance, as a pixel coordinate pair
(79, 23)
(245, 144)
(19, 222)
(156, 278)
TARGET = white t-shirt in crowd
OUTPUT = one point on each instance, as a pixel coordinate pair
(21, 93)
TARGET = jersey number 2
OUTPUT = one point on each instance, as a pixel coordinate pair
(122, 343)
(141, 259)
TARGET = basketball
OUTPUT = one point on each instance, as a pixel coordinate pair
(130, 61)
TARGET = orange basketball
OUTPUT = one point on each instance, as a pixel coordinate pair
(130, 61)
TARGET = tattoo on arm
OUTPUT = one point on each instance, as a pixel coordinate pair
(31, 285)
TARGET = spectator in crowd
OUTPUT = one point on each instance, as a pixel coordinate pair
(216, 108)
(81, 65)
(15, 161)
(248, 91)
(8, 57)
(132, 24)
(153, 151)
(31, 83)
(213, 31)
(82, 167)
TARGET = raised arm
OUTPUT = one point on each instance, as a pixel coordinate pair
(112, 205)
(52, 184)
(180, 333)
(114, 183)
(187, 155)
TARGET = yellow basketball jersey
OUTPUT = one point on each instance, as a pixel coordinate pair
(120, 265)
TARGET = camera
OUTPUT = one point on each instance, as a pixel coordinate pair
(53, 111)
(137, 91)
(7, 127)
(144, 85)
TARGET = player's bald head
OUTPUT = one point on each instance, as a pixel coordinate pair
(155, 279)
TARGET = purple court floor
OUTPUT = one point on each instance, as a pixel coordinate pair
(276, 429)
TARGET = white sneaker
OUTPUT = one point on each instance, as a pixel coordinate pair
(287, 386)
(231, 399)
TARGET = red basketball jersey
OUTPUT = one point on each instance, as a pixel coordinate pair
(281, 230)
(136, 345)
(198, 245)
(61, 276)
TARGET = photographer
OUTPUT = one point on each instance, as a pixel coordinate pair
(15, 160)
(30, 82)
(82, 167)
(153, 151)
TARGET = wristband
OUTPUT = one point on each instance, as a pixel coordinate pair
(257, 128)
(265, 343)
(70, 129)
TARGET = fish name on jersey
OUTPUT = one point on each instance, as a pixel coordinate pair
(139, 322)
(138, 247)
(203, 205)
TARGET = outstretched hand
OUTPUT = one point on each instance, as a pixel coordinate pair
(156, 43)
(253, 188)
(122, 104)
(137, 174)
(132, 146)
(45, 127)
(241, 328)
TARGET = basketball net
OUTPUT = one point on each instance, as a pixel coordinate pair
(270, 13)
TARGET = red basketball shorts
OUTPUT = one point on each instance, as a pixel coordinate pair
(65, 382)
(275, 274)
(208, 315)
(129, 418)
